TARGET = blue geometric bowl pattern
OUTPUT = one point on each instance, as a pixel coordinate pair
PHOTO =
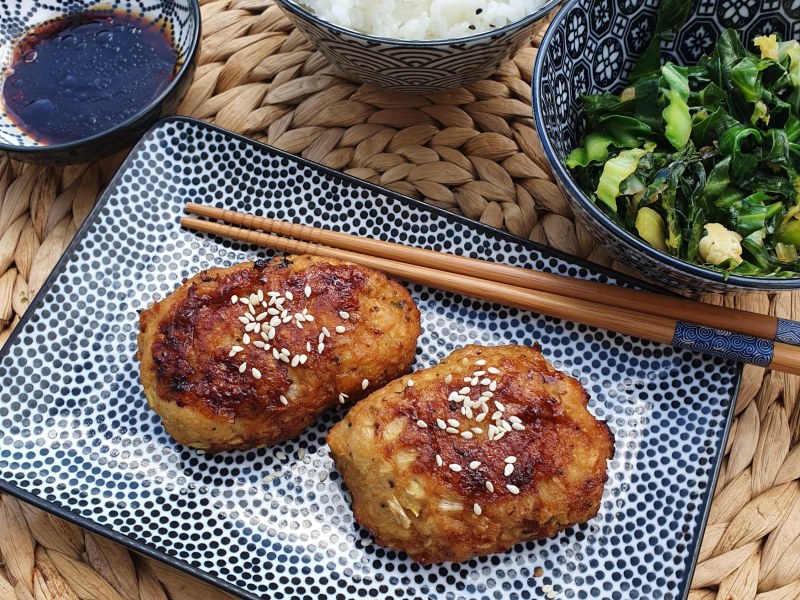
(415, 67)
(591, 47)
(19, 16)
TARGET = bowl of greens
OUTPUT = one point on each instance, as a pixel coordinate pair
(674, 128)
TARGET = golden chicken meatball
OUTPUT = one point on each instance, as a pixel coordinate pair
(250, 355)
(491, 447)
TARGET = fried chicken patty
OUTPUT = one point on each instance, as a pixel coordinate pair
(491, 447)
(250, 355)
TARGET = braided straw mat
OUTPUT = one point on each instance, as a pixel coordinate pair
(473, 151)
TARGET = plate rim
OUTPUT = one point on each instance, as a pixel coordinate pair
(162, 556)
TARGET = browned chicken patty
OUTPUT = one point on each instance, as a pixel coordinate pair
(250, 355)
(491, 447)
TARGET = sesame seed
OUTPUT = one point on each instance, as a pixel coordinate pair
(453, 422)
(467, 411)
(287, 318)
(273, 294)
(474, 464)
(455, 467)
(486, 381)
(261, 316)
(464, 390)
(244, 300)
(499, 405)
(489, 486)
(251, 313)
(275, 321)
(264, 304)
(265, 335)
(477, 430)
(340, 329)
(518, 426)
(259, 344)
(465, 361)
(244, 320)
(496, 415)
(242, 367)
(289, 296)
(508, 470)
(257, 327)
(246, 339)
(321, 338)
(276, 354)
(441, 423)
(342, 398)
(480, 362)
(295, 360)
(299, 317)
(494, 370)
(473, 381)
(308, 346)
(320, 348)
(344, 314)
(449, 378)
(234, 299)
(467, 379)
(478, 373)
(439, 460)
(476, 508)
(260, 295)
(515, 419)
(410, 382)
(480, 417)
(325, 332)
(493, 386)
(236, 349)
(285, 358)
(254, 299)
(285, 352)
(271, 334)
(452, 430)
(283, 399)
(510, 460)
(256, 373)
(365, 384)
(303, 359)
(512, 488)
(453, 397)
(422, 424)
(310, 318)
(307, 291)
(487, 394)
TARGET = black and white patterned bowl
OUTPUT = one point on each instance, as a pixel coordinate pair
(591, 47)
(181, 19)
(415, 67)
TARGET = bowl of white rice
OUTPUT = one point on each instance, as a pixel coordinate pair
(418, 46)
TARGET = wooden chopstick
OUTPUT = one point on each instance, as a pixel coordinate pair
(622, 320)
(678, 308)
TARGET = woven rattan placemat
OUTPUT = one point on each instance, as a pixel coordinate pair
(473, 151)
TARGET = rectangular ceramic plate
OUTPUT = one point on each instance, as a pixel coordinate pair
(77, 438)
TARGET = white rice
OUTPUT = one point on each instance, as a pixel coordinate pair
(422, 19)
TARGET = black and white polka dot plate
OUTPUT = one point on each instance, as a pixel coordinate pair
(77, 438)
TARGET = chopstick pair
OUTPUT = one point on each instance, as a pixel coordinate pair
(744, 336)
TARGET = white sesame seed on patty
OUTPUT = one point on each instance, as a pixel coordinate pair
(275, 321)
(441, 423)
(508, 470)
(320, 348)
(453, 397)
(325, 331)
(245, 339)
(259, 344)
(242, 367)
(510, 460)
(410, 382)
(299, 317)
(518, 426)
(289, 295)
(276, 354)
(452, 430)
(244, 320)
(489, 486)
(493, 386)
(464, 390)
(254, 299)
(274, 312)
(422, 424)
(260, 295)
(342, 398)
(261, 316)
(307, 291)
(303, 359)
(474, 381)
(480, 362)
(477, 430)
(480, 417)
(493, 370)
(244, 301)
(271, 334)
(512, 488)
(295, 360)
(455, 467)
(308, 346)
(439, 460)
(234, 299)
(449, 378)
(344, 314)
(515, 419)
(310, 318)
(340, 329)
(500, 406)
(453, 422)
(474, 464)
(256, 373)
(476, 508)
(283, 399)
(478, 373)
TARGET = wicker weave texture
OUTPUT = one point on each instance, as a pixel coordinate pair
(473, 151)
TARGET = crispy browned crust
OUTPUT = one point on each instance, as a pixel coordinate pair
(191, 380)
(410, 503)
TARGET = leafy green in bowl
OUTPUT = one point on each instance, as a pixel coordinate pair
(702, 161)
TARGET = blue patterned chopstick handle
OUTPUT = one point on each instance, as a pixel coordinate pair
(727, 344)
(788, 332)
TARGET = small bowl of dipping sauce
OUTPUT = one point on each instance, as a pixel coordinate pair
(87, 80)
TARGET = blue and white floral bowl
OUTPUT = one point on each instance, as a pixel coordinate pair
(590, 47)
(180, 17)
(415, 67)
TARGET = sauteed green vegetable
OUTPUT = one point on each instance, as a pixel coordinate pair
(703, 162)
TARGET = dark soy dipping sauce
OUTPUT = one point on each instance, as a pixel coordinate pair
(81, 75)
